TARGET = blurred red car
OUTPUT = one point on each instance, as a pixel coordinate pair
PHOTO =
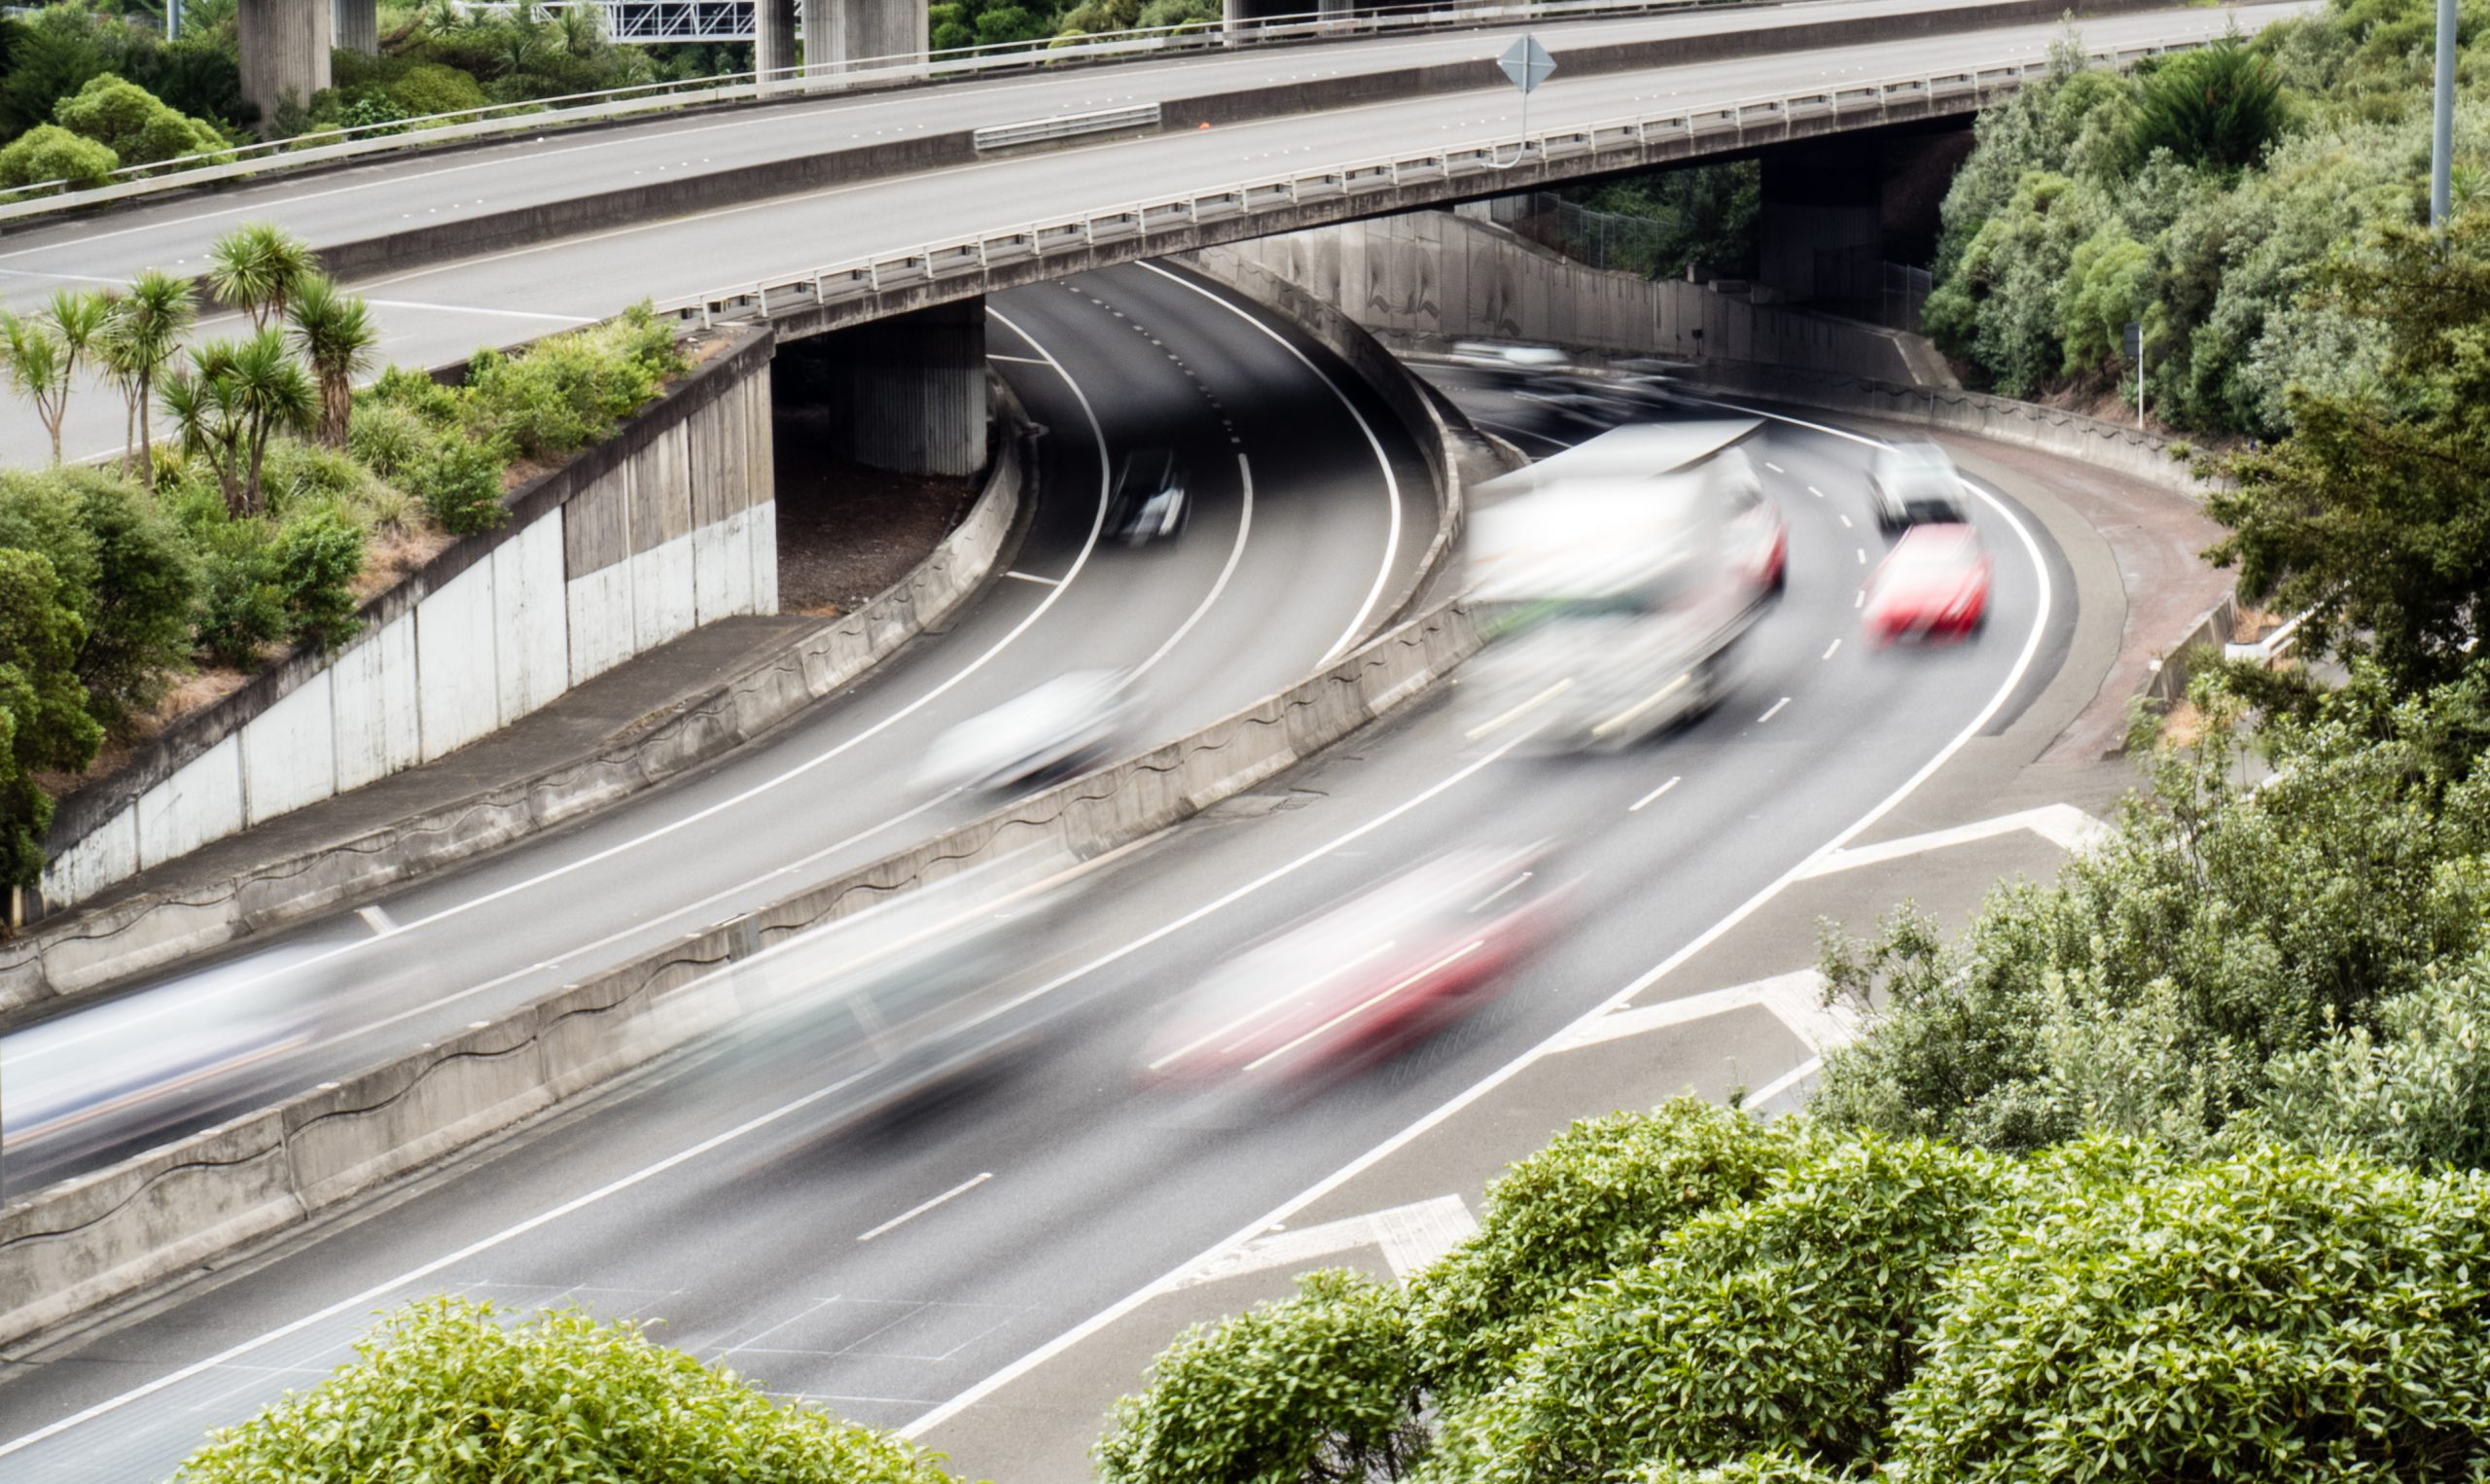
(1362, 981)
(1934, 582)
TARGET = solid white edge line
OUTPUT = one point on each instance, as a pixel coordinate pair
(1785, 1082)
(922, 1206)
(1235, 554)
(1097, 522)
(378, 1291)
(1773, 711)
(1636, 807)
(1383, 460)
(918, 1428)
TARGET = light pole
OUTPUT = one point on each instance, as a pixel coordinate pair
(2442, 125)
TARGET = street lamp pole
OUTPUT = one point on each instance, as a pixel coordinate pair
(2442, 130)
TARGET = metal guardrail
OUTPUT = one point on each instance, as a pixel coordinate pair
(968, 257)
(431, 129)
(1006, 137)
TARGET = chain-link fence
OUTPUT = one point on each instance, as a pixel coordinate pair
(1603, 239)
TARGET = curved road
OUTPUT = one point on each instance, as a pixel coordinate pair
(883, 1267)
(1268, 580)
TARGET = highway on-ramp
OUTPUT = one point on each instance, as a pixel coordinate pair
(882, 1266)
(1313, 512)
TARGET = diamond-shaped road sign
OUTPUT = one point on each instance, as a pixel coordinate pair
(1527, 63)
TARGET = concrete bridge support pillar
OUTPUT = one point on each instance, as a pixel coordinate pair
(773, 42)
(906, 393)
(285, 51)
(356, 24)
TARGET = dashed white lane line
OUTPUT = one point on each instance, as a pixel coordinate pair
(1859, 599)
(1637, 806)
(1383, 459)
(918, 1210)
(1845, 523)
(1863, 556)
(1031, 577)
(1235, 553)
(1818, 493)
(1830, 648)
(1774, 712)
(1775, 468)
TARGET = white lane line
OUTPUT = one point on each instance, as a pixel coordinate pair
(1845, 523)
(378, 1291)
(1637, 806)
(1383, 460)
(1785, 1082)
(1830, 649)
(1774, 712)
(1818, 493)
(1863, 556)
(1235, 553)
(1031, 577)
(1859, 599)
(1097, 522)
(1495, 722)
(913, 1212)
(2064, 826)
(996, 355)
(1775, 468)
(514, 314)
(1509, 1071)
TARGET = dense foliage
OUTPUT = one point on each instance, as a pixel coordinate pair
(2202, 198)
(2105, 1308)
(1663, 224)
(450, 1391)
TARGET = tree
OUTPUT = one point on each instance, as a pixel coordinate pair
(134, 124)
(2371, 516)
(42, 709)
(258, 269)
(2219, 108)
(451, 1393)
(49, 152)
(334, 332)
(231, 399)
(38, 369)
(144, 334)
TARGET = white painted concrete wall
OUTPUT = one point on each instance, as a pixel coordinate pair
(508, 635)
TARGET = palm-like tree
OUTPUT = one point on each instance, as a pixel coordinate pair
(231, 399)
(258, 269)
(38, 369)
(145, 332)
(333, 330)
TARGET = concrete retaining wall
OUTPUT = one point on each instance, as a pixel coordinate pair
(101, 948)
(87, 1242)
(596, 565)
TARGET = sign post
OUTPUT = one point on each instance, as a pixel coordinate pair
(1528, 64)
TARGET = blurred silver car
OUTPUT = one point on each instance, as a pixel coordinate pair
(1149, 502)
(1914, 484)
(1070, 723)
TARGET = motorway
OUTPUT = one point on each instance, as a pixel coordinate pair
(882, 1265)
(1313, 514)
(436, 314)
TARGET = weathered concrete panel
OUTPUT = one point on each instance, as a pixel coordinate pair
(599, 605)
(765, 558)
(290, 753)
(661, 487)
(201, 802)
(597, 526)
(531, 622)
(106, 854)
(373, 691)
(722, 567)
(454, 662)
(665, 601)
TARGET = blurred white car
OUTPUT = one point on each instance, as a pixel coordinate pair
(1914, 484)
(1533, 357)
(1070, 723)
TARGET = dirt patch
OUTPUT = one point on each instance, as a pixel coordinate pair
(846, 532)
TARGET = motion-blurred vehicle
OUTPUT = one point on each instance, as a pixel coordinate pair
(1914, 484)
(1070, 723)
(914, 992)
(1361, 980)
(1618, 579)
(1524, 357)
(1147, 502)
(116, 1073)
(1933, 585)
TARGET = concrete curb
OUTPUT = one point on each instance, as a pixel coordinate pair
(92, 952)
(108, 1235)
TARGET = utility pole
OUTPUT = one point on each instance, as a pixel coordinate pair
(2442, 130)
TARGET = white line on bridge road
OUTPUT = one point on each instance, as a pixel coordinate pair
(1845, 523)
(1637, 806)
(1818, 493)
(1831, 648)
(918, 1210)
(1774, 711)
(515, 314)
(1863, 556)
(1775, 468)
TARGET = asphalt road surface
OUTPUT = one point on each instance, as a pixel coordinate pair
(884, 1263)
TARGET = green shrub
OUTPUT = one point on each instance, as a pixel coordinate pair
(387, 438)
(50, 153)
(134, 124)
(460, 483)
(314, 560)
(430, 88)
(1318, 1386)
(1777, 1324)
(449, 1394)
(2269, 1317)
(298, 475)
(138, 618)
(241, 608)
(570, 390)
(43, 722)
(2417, 1092)
(1598, 1199)
(2219, 108)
